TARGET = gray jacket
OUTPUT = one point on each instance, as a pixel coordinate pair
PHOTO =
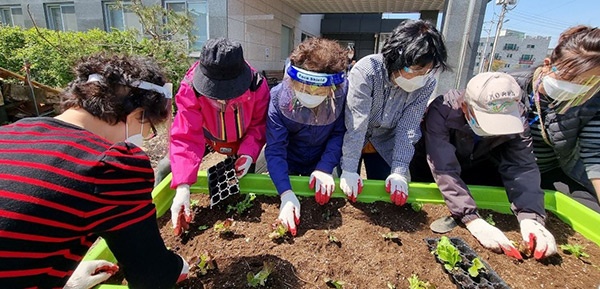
(451, 145)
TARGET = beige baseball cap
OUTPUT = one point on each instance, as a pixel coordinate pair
(495, 98)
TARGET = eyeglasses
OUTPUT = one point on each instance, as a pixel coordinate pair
(153, 132)
(421, 71)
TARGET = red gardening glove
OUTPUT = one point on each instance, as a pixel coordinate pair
(323, 184)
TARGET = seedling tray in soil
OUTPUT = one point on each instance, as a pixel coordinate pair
(222, 181)
(487, 279)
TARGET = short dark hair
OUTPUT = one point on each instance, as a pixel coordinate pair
(320, 55)
(113, 99)
(414, 42)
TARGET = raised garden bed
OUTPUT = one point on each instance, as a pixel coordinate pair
(344, 242)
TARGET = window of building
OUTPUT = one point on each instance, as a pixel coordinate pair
(510, 46)
(120, 17)
(497, 56)
(198, 10)
(530, 46)
(509, 55)
(11, 15)
(477, 64)
(506, 65)
(527, 57)
(61, 17)
(287, 38)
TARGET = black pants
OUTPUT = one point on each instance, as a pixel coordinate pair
(375, 166)
(576, 190)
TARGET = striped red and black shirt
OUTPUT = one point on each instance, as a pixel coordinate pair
(62, 186)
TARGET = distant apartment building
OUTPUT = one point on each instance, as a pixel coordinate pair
(514, 51)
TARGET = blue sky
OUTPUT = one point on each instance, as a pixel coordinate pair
(544, 17)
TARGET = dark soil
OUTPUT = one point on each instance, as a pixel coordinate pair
(361, 258)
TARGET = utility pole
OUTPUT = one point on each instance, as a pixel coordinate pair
(504, 4)
(487, 41)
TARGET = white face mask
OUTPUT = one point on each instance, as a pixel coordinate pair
(561, 90)
(136, 139)
(309, 100)
(410, 85)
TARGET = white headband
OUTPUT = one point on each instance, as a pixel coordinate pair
(166, 90)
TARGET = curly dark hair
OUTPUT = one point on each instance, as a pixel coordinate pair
(320, 55)
(112, 99)
(577, 51)
(414, 42)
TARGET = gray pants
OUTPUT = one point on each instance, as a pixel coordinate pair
(163, 169)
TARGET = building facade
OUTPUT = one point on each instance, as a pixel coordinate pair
(514, 51)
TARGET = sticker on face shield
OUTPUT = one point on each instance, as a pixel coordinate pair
(315, 78)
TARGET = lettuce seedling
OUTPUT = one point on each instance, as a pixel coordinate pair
(415, 283)
(575, 250)
(474, 269)
(490, 219)
(223, 227)
(242, 206)
(416, 206)
(260, 278)
(202, 263)
(333, 239)
(446, 251)
(390, 236)
(279, 231)
(335, 283)
(202, 227)
(194, 203)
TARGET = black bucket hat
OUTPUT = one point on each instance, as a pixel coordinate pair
(222, 72)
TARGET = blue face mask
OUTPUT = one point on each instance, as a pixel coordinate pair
(475, 125)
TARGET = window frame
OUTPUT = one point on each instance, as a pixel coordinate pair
(9, 9)
(186, 3)
(50, 17)
(107, 19)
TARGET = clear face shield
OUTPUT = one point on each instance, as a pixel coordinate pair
(567, 94)
(314, 98)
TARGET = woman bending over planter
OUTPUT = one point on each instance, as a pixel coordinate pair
(305, 124)
(387, 95)
(69, 179)
(475, 136)
(565, 115)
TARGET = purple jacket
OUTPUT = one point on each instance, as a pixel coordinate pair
(450, 144)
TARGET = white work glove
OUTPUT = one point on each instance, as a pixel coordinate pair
(397, 186)
(242, 165)
(181, 215)
(185, 270)
(289, 211)
(351, 184)
(91, 273)
(323, 184)
(539, 239)
(492, 238)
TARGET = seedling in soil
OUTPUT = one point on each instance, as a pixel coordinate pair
(490, 219)
(390, 285)
(335, 283)
(333, 239)
(575, 250)
(416, 206)
(279, 231)
(448, 253)
(223, 227)
(194, 203)
(202, 228)
(474, 269)
(202, 264)
(260, 278)
(327, 215)
(415, 283)
(242, 206)
(392, 237)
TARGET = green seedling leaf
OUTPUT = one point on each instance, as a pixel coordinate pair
(415, 283)
(446, 251)
(242, 206)
(416, 206)
(202, 264)
(332, 239)
(223, 227)
(575, 250)
(335, 283)
(194, 203)
(393, 237)
(279, 231)
(260, 278)
(474, 269)
(490, 219)
(390, 285)
(202, 228)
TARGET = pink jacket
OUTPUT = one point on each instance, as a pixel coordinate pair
(199, 120)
